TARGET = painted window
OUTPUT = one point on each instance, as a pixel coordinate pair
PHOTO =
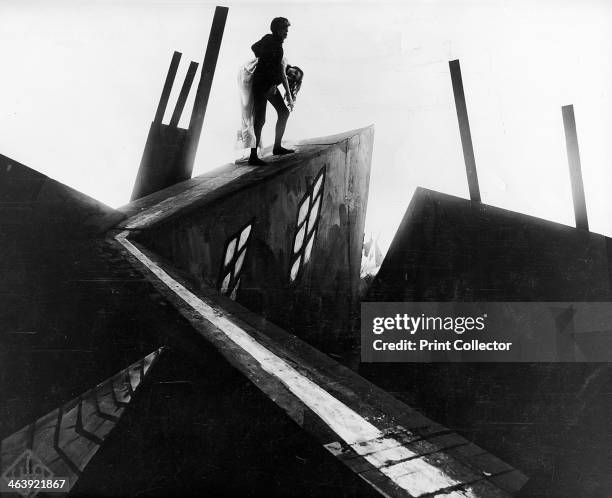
(308, 216)
(233, 261)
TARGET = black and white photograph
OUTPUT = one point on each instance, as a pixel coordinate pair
(306, 248)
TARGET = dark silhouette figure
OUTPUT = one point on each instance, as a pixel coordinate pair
(269, 73)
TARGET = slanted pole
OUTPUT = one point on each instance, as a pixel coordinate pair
(573, 158)
(203, 92)
(180, 103)
(163, 101)
(464, 130)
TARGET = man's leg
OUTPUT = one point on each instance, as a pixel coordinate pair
(277, 101)
(259, 118)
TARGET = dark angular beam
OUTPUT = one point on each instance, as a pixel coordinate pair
(204, 86)
(163, 101)
(573, 158)
(180, 103)
(464, 129)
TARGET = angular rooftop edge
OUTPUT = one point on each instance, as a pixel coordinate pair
(227, 179)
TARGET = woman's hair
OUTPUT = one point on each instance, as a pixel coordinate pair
(294, 78)
(278, 23)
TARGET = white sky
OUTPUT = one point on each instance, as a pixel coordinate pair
(81, 81)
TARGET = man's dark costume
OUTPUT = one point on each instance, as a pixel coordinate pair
(267, 76)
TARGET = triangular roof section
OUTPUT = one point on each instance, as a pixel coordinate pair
(449, 248)
(50, 207)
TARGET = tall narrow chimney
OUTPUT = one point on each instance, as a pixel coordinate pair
(170, 151)
(464, 130)
(201, 98)
(573, 158)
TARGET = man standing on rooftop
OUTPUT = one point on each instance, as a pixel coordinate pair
(269, 73)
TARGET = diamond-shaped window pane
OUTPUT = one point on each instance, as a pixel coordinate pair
(313, 215)
(308, 249)
(229, 253)
(299, 239)
(317, 186)
(226, 282)
(239, 262)
(295, 268)
(244, 236)
(303, 210)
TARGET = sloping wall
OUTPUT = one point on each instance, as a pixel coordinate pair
(72, 309)
(36, 206)
(289, 235)
(448, 248)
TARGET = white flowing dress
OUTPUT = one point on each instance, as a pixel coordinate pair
(246, 134)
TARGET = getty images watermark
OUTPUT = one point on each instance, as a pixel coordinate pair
(412, 325)
(486, 332)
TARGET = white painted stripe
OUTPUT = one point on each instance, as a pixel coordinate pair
(416, 476)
